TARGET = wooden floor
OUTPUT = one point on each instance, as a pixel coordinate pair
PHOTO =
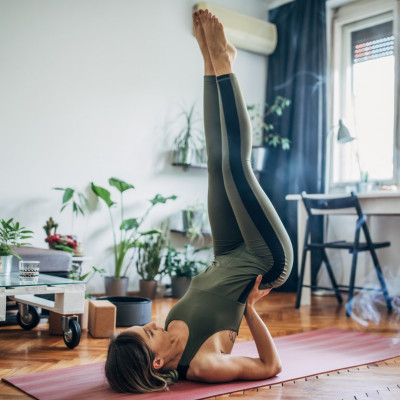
(23, 352)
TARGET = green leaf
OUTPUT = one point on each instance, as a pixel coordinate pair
(84, 276)
(151, 232)
(103, 194)
(158, 198)
(68, 193)
(128, 224)
(83, 200)
(285, 144)
(120, 185)
(64, 248)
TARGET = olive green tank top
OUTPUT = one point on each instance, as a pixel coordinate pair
(211, 304)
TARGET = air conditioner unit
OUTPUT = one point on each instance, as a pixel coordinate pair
(244, 32)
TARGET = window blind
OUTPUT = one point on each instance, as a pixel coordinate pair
(373, 42)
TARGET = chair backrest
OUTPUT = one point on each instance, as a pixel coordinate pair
(333, 203)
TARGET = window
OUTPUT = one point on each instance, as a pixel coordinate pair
(364, 99)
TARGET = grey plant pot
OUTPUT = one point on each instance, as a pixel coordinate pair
(131, 310)
(179, 286)
(6, 264)
(147, 289)
(116, 286)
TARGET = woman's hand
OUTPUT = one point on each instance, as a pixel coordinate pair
(256, 294)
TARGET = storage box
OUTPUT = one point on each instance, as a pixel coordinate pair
(55, 324)
(102, 318)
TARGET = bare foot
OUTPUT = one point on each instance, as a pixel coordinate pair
(222, 52)
(198, 33)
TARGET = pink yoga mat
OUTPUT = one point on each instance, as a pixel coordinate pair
(302, 355)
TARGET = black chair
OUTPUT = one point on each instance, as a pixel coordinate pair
(341, 205)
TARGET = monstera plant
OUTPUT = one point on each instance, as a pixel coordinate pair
(126, 231)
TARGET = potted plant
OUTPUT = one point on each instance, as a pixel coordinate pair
(77, 201)
(264, 134)
(193, 218)
(189, 143)
(125, 235)
(63, 242)
(181, 266)
(148, 261)
(11, 234)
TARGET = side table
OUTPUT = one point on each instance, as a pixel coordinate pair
(69, 299)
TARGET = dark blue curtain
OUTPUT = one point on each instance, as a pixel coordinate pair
(297, 71)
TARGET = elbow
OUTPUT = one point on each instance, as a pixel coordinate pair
(278, 369)
(274, 370)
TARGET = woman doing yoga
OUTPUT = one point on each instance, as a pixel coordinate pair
(252, 255)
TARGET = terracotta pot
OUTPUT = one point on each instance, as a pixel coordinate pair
(180, 285)
(116, 286)
(147, 289)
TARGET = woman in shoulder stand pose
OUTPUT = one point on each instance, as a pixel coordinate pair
(252, 250)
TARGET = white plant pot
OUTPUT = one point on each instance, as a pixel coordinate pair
(183, 158)
(258, 158)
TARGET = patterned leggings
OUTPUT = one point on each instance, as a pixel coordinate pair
(240, 212)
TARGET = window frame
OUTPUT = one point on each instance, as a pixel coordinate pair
(343, 17)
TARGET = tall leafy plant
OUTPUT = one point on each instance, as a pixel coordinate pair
(77, 201)
(126, 233)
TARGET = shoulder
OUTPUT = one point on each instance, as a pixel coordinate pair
(214, 367)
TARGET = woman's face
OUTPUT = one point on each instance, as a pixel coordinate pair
(155, 337)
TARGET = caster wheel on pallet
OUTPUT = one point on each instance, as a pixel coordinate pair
(30, 319)
(72, 336)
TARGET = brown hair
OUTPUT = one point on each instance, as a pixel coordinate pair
(129, 366)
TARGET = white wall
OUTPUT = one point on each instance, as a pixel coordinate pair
(88, 90)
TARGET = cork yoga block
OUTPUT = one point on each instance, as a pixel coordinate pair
(102, 318)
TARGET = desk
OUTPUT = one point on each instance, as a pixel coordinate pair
(373, 203)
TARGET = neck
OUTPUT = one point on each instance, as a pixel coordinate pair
(178, 343)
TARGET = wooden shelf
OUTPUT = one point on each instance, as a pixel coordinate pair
(183, 233)
(186, 166)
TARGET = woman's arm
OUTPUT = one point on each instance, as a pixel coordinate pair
(225, 367)
(263, 339)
